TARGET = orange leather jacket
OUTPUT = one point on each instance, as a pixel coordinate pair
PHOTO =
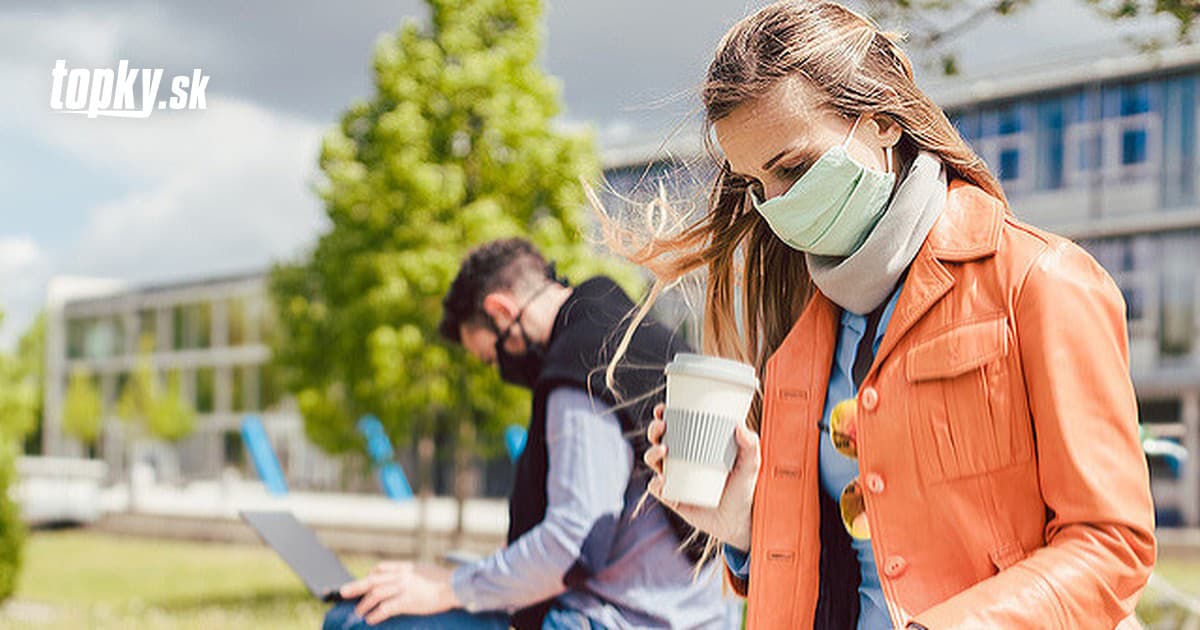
(1005, 483)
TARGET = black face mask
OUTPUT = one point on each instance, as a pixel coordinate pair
(521, 369)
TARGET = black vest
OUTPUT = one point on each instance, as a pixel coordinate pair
(586, 332)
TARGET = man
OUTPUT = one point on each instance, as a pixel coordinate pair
(576, 554)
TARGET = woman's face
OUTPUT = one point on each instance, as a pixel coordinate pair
(771, 141)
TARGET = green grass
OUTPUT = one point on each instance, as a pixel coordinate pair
(73, 579)
(1183, 574)
(81, 579)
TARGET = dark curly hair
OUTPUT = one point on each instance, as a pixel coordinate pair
(511, 264)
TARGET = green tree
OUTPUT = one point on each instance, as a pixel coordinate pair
(83, 410)
(18, 414)
(149, 407)
(31, 353)
(457, 146)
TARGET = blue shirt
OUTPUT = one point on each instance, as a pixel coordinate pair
(642, 581)
(837, 470)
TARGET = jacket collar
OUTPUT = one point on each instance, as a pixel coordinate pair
(969, 228)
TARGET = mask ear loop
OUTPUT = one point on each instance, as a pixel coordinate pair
(846, 142)
(887, 151)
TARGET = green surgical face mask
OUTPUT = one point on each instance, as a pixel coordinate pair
(834, 205)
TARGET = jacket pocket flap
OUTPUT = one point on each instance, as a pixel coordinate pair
(958, 350)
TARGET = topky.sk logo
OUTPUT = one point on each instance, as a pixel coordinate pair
(97, 92)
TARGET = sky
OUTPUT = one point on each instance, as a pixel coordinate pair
(193, 193)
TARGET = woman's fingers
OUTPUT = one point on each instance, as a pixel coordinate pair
(658, 410)
(749, 454)
(656, 486)
(654, 457)
(655, 431)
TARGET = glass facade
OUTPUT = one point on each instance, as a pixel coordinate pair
(1086, 155)
(186, 326)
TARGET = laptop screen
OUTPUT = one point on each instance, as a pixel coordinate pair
(298, 545)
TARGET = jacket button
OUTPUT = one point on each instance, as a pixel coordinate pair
(874, 483)
(895, 566)
(870, 398)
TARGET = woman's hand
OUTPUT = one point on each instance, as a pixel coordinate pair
(730, 520)
(401, 588)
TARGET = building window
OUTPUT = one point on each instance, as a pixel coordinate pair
(147, 326)
(1133, 147)
(193, 326)
(1050, 144)
(1010, 165)
(102, 338)
(237, 321)
(76, 331)
(1131, 130)
(967, 124)
(1179, 142)
(205, 390)
(1135, 306)
(1177, 325)
(233, 448)
(246, 388)
(1006, 142)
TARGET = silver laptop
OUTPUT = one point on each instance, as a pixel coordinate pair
(299, 547)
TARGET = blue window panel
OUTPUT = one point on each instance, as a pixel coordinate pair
(1089, 155)
(1187, 137)
(1083, 106)
(970, 122)
(1010, 164)
(1050, 119)
(1133, 146)
(989, 123)
(1179, 141)
(1135, 99)
(1126, 248)
(1009, 119)
(967, 123)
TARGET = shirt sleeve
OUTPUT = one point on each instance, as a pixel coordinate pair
(589, 467)
(738, 562)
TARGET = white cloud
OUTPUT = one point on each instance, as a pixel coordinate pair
(225, 189)
(24, 268)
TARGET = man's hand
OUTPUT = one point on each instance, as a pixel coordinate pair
(402, 588)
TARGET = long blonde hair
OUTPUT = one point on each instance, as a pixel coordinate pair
(857, 69)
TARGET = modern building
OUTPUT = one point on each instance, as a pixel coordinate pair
(210, 333)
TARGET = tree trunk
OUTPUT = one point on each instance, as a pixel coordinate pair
(464, 449)
(425, 447)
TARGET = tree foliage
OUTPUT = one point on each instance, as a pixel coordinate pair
(83, 409)
(149, 405)
(457, 146)
(933, 26)
(19, 405)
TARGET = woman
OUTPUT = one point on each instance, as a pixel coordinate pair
(948, 429)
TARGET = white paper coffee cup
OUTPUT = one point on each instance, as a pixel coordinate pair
(707, 398)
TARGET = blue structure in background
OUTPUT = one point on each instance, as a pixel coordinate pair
(514, 441)
(379, 448)
(259, 445)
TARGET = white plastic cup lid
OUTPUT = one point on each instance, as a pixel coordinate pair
(728, 370)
